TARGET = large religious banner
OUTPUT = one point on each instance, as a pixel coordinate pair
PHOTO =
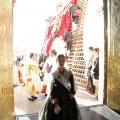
(56, 30)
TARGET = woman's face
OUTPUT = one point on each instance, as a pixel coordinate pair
(90, 51)
(95, 53)
(34, 57)
(61, 62)
(52, 55)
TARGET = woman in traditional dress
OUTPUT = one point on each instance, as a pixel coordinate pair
(60, 104)
(33, 82)
(49, 66)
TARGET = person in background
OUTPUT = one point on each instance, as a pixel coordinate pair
(15, 71)
(21, 65)
(22, 69)
(95, 70)
(19, 58)
(33, 82)
(19, 74)
(68, 39)
(42, 60)
(74, 13)
(60, 103)
(90, 86)
(48, 68)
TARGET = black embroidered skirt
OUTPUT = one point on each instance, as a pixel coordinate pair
(69, 110)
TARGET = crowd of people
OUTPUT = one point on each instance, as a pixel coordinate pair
(52, 77)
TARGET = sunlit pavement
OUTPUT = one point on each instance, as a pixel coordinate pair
(24, 106)
(89, 106)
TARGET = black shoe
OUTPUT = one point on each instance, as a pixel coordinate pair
(24, 85)
(31, 99)
(93, 90)
(90, 90)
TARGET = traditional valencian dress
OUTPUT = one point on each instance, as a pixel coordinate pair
(62, 84)
(33, 86)
(49, 66)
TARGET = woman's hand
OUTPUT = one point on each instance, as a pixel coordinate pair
(42, 72)
(29, 79)
(87, 67)
(71, 96)
(54, 101)
(92, 74)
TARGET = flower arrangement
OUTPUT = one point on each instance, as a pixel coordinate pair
(57, 30)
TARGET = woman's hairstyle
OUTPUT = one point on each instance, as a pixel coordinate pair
(91, 48)
(54, 52)
(31, 55)
(96, 50)
(59, 56)
(21, 58)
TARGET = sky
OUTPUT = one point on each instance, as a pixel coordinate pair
(29, 22)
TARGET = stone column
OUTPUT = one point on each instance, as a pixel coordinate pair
(6, 70)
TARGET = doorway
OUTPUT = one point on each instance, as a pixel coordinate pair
(22, 105)
(6, 80)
